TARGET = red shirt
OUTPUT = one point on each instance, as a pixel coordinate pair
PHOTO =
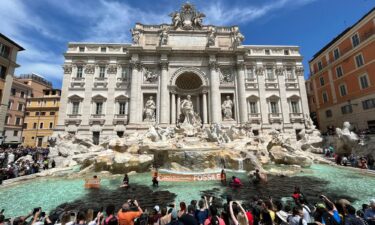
(250, 218)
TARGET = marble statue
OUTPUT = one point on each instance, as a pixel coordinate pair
(238, 37)
(227, 108)
(164, 37)
(149, 110)
(135, 36)
(187, 18)
(176, 19)
(226, 76)
(187, 109)
(309, 123)
(211, 37)
(150, 77)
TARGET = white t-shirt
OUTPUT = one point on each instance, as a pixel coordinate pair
(306, 214)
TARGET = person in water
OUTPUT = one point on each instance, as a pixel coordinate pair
(155, 182)
(125, 181)
(236, 182)
(258, 177)
(223, 177)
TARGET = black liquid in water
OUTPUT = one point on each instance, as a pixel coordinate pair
(148, 197)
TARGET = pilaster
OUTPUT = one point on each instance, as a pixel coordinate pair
(241, 89)
(214, 91)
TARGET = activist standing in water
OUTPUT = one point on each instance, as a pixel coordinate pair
(155, 182)
(223, 177)
(125, 181)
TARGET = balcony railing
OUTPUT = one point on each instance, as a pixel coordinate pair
(120, 119)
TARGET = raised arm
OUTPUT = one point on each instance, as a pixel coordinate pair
(234, 219)
(243, 211)
(326, 200)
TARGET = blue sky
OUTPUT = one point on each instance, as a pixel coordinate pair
(44, 27)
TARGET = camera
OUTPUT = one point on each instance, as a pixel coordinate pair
(36, 210)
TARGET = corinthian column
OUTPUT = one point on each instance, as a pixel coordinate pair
(134, 105)
(164, 94)
(241, 91)
(215, 93)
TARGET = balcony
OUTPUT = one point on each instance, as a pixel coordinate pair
(275, 117)
(296, 117)
(100, 82)
(272, 83)
(73, 119)
(291, 83)
(120, 119)
(77, 82)
(97, 118)
(254, 118)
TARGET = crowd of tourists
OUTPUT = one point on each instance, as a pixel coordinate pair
(15, 162)
(207, 211)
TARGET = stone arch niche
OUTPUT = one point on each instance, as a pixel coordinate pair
(188, 81)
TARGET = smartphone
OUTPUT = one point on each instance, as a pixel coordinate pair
(36, 210)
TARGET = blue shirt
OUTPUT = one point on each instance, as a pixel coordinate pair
(369, 214)
(335, 216)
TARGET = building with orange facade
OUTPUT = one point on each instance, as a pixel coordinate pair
(341, 86)
(16, 113)
(41, 118)
(8, 55)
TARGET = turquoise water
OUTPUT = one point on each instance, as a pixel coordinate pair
(51, 192)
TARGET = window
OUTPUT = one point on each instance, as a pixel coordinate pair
(18, 121)
(39, 103)
(37, 113)
(253, 108)
(34, 126)
(101, 71)
(346, 109)
(52, 113)
(270, 75)
(368, 104)
(3, 72)
(81, 49)
(124, 73)
(75, 108)
(355, 40)
(24, 126)
(329, 113)
(41, 125)
(295, 106)
(42, 113)
(13, 91)
(99, 108)
(50, 125)
(359, 60)
(336, 53)
(15, 133)
(342, 88)
(274, 108)
(320, 65)
(10, 103)
(22, 94)
(4, 50)
(321, 79)
(325, 97)
(286, 52)
(122, 108)
(289, 73)
(27, 113)
(20, 107)
(339, 72)
(79, 71)
(103, 49)
(267, 51)
(6, 119)
(250, 74)
(363, 80)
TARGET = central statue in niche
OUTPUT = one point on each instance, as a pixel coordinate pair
(189, 120)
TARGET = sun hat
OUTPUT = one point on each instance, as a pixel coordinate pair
(282, 215)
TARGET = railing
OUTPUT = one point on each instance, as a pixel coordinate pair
(73, 116)
(362, 39)
(97, 116)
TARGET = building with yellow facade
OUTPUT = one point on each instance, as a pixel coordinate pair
(41, 118)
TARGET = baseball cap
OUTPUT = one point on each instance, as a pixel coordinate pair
(320, 206)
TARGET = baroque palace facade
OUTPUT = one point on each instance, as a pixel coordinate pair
(113, 88)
